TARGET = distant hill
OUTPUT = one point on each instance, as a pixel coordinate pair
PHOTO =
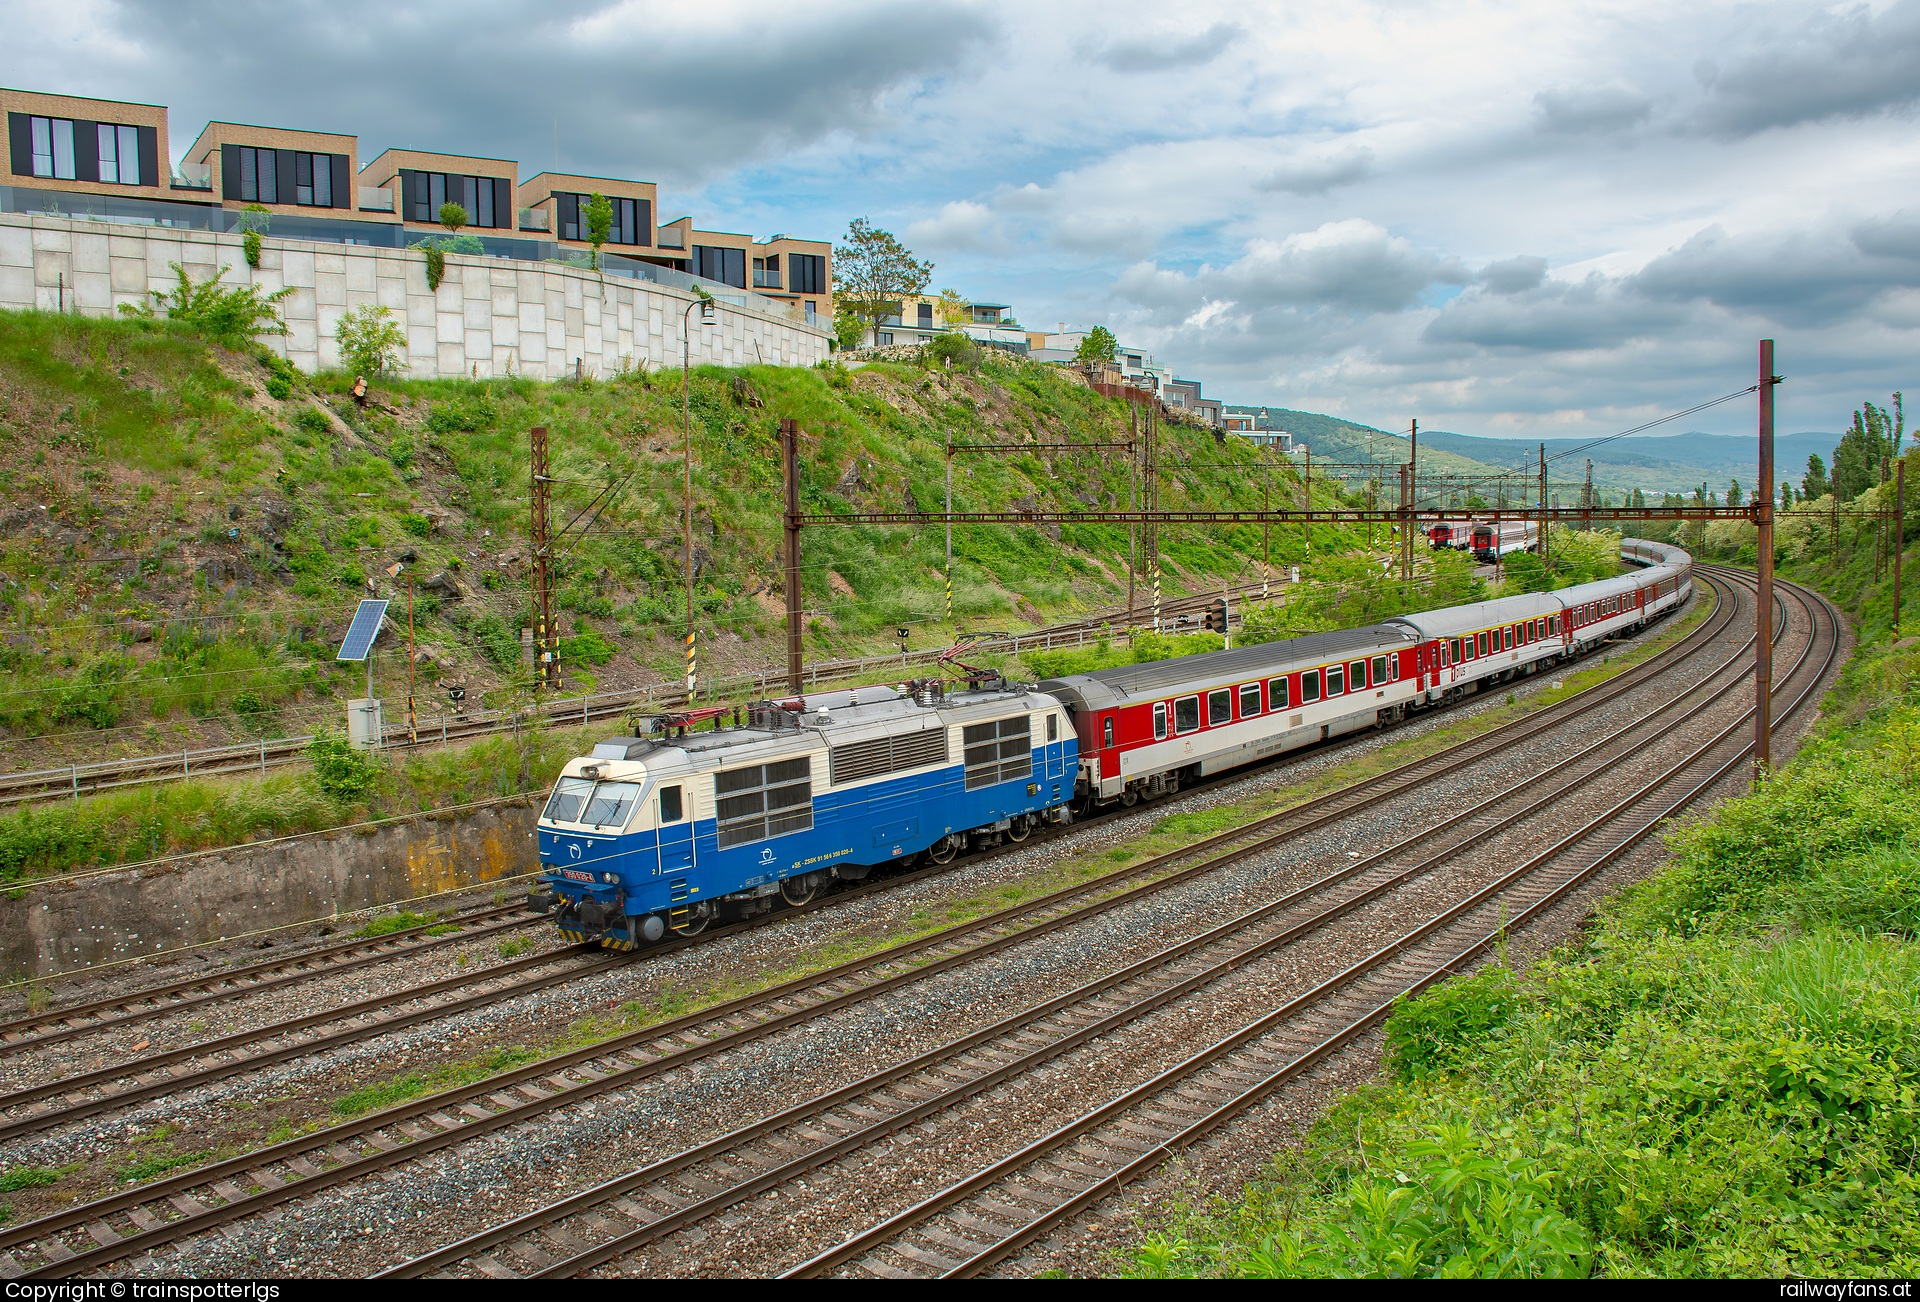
(1668, 463)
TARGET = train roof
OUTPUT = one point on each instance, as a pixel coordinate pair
(830, 719)
(1159, 678)
(1452, 621)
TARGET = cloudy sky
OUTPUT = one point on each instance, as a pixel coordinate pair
(1502, 218)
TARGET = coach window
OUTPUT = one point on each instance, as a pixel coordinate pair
(1186, 714)
(1249, 700)
(1379, 670)
(1553, 625)
(1336, 679)
(1219, 707)
(1159, 720)
(1276, 694)
(1357, 674)
(1455, 647)
(1106, 731)
(670, 810)
(1309, 686)
(1506, 641)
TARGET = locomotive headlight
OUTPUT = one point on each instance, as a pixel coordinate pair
(609, 878)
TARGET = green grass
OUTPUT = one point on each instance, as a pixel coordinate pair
(1724, 1080)
(35, 1177)
(385, 1094)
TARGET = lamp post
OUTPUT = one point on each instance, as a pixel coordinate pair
(707, 315)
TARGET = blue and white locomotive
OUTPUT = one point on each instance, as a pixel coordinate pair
(675, 831)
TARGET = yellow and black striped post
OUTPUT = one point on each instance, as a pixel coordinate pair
(949, 594)
(693, 667)
(1153, 564)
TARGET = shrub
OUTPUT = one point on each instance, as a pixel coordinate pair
(253, 223)
(232, 317)
(453, 217)
(279, 387)
(587, 647)
(371, 341)
(313, 420)
(953, 349)
(436, 267)
(341, 772)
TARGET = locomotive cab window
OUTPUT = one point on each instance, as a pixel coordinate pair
(1379, 670)
(569, 797)
(1249, 700)
(611, 803)
(1106, 731)
(1186, 714)
(1277, 694)
(1219, 708)
(1336, 679)
(1309, 686)
(1159, 720)
(670, 808)
(1053, 727)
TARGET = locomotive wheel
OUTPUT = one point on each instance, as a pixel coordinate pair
(1019, 830)
(943, 850)
(799, 890)
(1129, 798)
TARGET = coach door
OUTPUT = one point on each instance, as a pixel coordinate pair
(675, 812)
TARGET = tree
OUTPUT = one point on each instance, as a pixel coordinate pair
(371, 341)
(1098, 346)
(599, 223)
(1814, 483)
(848, 329)
(1860, 461)
(1786, 496)
(953, 308)
(453, 217)
(872, 272)
(1733, 493)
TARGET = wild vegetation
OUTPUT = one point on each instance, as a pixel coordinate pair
(1723, 1079)
(190, 524)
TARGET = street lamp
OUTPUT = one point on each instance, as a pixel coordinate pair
(707, 316)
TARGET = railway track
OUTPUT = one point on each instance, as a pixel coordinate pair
(75, 1096)
(772, 1154)
(179, 1205)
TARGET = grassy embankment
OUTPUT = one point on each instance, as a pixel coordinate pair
(244, 508)
(1723, 1080)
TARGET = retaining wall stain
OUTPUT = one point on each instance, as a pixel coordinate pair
(64, 925)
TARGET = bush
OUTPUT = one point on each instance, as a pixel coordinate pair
(232, 317)
(436, 267)
(342, 773)
(587, 647)
(313, 420)
(953, 349)
(371, 341)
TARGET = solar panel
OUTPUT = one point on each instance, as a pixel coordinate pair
(366, 627)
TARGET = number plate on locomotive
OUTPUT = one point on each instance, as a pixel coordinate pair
(573, 875)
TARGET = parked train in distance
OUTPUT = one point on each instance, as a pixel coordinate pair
(1513, 536)
(679, 828)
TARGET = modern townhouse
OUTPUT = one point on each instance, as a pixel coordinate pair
(66, 145)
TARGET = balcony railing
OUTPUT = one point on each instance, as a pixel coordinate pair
(766, 280)
(193, 176)
(376, 198)
(535, 219)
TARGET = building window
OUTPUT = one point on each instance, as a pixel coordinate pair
(53, 148)
(119, 154)
(926, 316)
(427, 192)
(806, 273)
(766, 272)
(632, 219)
(883, 339)
(259, 175)
(313, 180)
(716, 262)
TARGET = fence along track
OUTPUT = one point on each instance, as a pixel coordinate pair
(1027, 1194)
(782, 1148)
(75, 780)
(638, 1055)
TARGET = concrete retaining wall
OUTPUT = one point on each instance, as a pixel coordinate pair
(490, 316)
(71, 924)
